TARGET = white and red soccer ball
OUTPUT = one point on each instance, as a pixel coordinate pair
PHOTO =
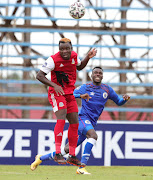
(77, 10)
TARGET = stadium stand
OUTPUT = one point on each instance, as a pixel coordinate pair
(124, 51)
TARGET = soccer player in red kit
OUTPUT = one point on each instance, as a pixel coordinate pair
(63, 66)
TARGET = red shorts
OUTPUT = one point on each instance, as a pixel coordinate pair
(63, 102)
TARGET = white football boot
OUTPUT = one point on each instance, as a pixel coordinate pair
(82, 171)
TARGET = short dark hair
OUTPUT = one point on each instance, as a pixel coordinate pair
(65, 40)
(98, 68)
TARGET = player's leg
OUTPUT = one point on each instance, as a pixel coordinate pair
(60, 109)
(73, 138)
(49, 156)
(92, 137)
(72, 116)
(58, 133)
(40, 158)
(91, 141)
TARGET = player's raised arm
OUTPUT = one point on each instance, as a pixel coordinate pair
(89, 55)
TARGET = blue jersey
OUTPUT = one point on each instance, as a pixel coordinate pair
(92, 109)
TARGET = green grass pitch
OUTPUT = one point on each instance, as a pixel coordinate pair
(69, 173)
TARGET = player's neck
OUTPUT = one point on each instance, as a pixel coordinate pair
(96, 84)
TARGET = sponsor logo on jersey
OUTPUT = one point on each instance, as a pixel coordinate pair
(61, 65)
(73, 62)
(105, 95)
(44, 65)
(87, 122)
(92, 93)
(61, 104)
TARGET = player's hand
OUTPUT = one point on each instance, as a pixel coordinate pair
(59, 90)
(85, 96)
(92, 53)
(126, 97)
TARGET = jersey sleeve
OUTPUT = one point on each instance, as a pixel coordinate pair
(79, 90)
(48, 66)
(78, 61)
(114, 96)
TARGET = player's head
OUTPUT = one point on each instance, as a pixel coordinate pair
(65, 48)
(97, 75)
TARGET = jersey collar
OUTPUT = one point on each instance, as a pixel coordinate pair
(94, 86)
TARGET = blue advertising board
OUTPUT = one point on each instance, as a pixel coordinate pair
(119, 143)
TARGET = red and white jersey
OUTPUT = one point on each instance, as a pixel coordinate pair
(57, 63)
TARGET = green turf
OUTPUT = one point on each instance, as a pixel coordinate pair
(69, 173)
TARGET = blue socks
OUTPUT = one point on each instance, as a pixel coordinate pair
(49, 156)
(87, 150)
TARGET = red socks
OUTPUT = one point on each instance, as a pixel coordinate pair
(73, 138)
(58, 133)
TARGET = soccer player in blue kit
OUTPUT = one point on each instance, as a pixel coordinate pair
(94, 96)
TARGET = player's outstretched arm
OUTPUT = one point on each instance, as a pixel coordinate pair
(84, 62)
(118, 100)
(122, 100)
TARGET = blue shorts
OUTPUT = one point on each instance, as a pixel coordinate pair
(84, 126)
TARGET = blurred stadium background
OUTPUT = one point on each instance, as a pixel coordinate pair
(121, 30)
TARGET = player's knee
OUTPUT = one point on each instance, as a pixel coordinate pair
(61, 114)
(94, 136)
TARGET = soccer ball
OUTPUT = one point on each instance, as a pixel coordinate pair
(77, 10)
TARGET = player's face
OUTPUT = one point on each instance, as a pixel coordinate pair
(65, 50)
(97, 76)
